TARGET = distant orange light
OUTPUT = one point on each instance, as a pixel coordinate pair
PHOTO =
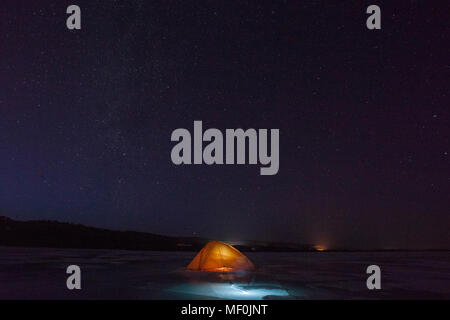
(320, 248)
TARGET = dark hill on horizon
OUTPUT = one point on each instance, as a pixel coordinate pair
(54, 234)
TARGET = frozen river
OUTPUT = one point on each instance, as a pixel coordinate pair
(37, 273)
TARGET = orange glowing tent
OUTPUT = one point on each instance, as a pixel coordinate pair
(221, 257)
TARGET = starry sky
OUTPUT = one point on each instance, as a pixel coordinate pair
(86, 118)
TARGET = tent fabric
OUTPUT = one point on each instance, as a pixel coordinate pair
(220, 257)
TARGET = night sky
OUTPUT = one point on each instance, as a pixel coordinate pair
(86, 118)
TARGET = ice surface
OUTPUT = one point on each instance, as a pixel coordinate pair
(39, 273)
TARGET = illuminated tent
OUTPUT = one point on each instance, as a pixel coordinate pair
(219, 256)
